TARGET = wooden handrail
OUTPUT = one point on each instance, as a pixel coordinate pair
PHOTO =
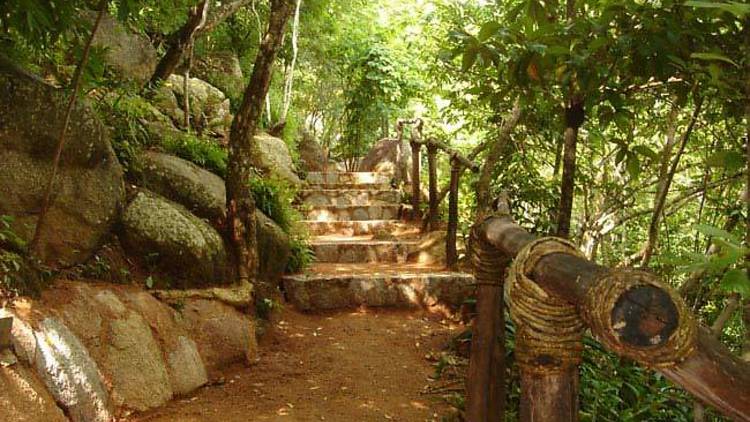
(706, 368)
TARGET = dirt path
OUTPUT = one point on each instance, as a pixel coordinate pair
(347, 366)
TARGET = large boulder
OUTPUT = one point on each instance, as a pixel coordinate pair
(223, 335)
(105, 350)
(23, 397)
(130, 55)
(180, 243)
(387, 156)
(209, 107)
(88, 193)
(274, 248)
(222, 70)
(204, 194)
(311, 154)
(197, 189)
(271, 156)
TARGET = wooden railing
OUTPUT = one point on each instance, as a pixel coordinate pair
(555, 293)
(457, 162)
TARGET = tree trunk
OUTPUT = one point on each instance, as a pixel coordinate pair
(289, 80)
(494, 155)
(664, 185)
(75, 88)
(197, 24)
(240, 203)
(574, 115)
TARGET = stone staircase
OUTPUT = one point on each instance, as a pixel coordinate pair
(362, 248)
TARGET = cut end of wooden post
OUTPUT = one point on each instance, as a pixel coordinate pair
(645, 316)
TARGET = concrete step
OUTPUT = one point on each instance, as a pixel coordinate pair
(360, 228)
(352, 212)
(395, 287)
(362, 251)
(349, 196)
(343, 178)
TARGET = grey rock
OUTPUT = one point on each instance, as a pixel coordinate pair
(88, 193)
(185, 246)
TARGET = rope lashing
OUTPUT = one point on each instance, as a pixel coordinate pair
(489, 262)
(609, 321)
(549, 331)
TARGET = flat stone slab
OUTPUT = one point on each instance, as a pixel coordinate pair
(353, 212)
(358, 228)
(361, 251)
(357, 177)
(322, 197)
(309, 292)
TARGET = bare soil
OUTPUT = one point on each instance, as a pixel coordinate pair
(356, 365)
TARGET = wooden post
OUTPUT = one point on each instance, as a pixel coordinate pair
(635, 316)
(432, 217)
(485, 381)
(6, 324)
(416, 190)
(451, 254)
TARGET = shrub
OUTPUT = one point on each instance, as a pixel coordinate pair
(205, 153)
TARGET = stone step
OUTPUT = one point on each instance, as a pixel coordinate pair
(395, 287)
(352, 212)
(362, 251)
(359, 228)
(344, 178)
(349, 196)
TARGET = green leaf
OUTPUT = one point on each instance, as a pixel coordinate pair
(469, 58)
(711, 231)
(714, 57)
(730, 160)
(488, 29)
(150, 282)
(736, 281)
(633, 166)
(736, 8)
(646, 151)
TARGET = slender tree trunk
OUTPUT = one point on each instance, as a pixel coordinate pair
(289, 80)
(574, 116)
(494, 155)
(197, 24)
(34, 246)
(186, 76)
(241, 206)
(663, 189)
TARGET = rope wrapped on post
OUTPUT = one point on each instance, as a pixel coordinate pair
(663, 339)
(549, 330)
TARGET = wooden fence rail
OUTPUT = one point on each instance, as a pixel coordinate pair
(631, 312)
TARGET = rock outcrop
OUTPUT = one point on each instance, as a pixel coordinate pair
(209, 107)
(102, 351)
(386, 156)
(222, 70)
(180, 243)
(311, 154)
(88, 193)
(271, 157)
(129, 55)
(204, 194)
(198, 190)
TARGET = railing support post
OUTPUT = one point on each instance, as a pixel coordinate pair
(432, 217)
(451, 254)
(549, 338)
(485, 381)
(416, 191)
